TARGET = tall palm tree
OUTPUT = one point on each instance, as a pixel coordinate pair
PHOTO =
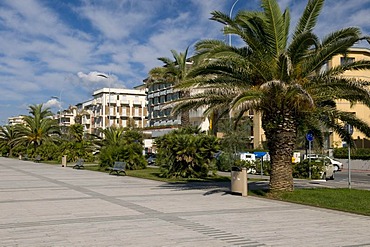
(173, 71)
(38, 127)
(7, 137)
(280, 77)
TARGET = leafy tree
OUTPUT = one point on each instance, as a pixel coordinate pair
(281, 77)
(186, 153)
(38, 127)
(174, 72)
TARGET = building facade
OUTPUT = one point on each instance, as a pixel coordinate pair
(360, 110)
(160, 96)
(331, 139)
(113, 107)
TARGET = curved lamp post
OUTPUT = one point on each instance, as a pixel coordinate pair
(230, 15)
(107, 77)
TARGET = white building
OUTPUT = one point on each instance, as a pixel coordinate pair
(113, 107)
(16, 120)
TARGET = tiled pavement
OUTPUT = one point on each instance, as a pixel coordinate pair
(46, 205)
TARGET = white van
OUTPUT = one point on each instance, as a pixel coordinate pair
(248, 156)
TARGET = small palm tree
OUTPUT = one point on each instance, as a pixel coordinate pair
(173, 71)
(281, 78)
(38, 127)
(7, 137)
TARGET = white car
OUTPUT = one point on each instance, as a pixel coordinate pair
(338, 166)
(328, 172)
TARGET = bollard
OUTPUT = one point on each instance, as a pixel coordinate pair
(64, 161)
(244, 182)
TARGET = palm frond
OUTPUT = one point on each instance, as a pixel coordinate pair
(309, 17)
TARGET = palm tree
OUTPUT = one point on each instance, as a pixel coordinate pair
(174, 72)
(38, 127)
(76, 132)
(280, 77)
(7, 137)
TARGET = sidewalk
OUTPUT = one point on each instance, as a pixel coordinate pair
(46, 205)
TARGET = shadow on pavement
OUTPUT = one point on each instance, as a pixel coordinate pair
(213, 187)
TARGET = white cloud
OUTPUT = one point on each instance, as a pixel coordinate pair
(53, 103)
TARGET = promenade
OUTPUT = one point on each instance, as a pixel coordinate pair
(49, 205)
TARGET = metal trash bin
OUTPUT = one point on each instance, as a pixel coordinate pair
(239, 180)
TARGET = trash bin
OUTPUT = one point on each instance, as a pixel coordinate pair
(64, 161)
(239, 180)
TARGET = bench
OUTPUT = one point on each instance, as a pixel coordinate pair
(25, 157)
(119, 166)
(79, 164)
(37, 158)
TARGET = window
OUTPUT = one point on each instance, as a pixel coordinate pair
(136, 112)
(346, 60)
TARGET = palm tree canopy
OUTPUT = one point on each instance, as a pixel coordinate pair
(37, 127)
(281, 77)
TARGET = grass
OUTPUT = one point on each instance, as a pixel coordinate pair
(348, 200)
(353, 201)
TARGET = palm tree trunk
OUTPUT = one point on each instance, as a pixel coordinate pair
(185, 118)
(281, 142)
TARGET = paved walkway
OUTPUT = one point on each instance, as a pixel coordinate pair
(46, 205)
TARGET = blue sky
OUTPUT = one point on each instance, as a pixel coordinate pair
(57, 47)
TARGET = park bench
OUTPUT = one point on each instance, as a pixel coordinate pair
(119, 166)
(25, 157)
(37, 158)
(79, 164)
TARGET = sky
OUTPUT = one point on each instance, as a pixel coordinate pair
(52, 51)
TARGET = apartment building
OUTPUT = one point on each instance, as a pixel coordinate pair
(16, 120)
(360, 110)
(159, 97)
(331, 139)
(113, 107)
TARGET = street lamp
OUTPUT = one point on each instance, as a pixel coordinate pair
(60, 106)
(107, 77)
(230, 15)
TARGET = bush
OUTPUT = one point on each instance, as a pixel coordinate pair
(183, 153)
(358, 153)
(301, 170)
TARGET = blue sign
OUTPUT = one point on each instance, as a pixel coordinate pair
(260, 154)
(309, 136)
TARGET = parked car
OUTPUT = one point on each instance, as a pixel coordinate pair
(328, 172)
(151, 159)
(338, 166)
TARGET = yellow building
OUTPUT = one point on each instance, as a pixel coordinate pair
(361, 111)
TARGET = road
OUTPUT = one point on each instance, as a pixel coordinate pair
(359, 179)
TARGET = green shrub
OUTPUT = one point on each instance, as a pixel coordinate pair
(183, 153)
(358, 153)
(301, 170)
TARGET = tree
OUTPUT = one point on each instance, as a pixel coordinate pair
(280, 77)
(38, 127)
(7, 137)
(174, 72)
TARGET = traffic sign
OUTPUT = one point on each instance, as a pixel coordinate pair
(349, 129)
(309, 136)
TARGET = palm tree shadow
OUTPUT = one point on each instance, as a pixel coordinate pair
(214, 187)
